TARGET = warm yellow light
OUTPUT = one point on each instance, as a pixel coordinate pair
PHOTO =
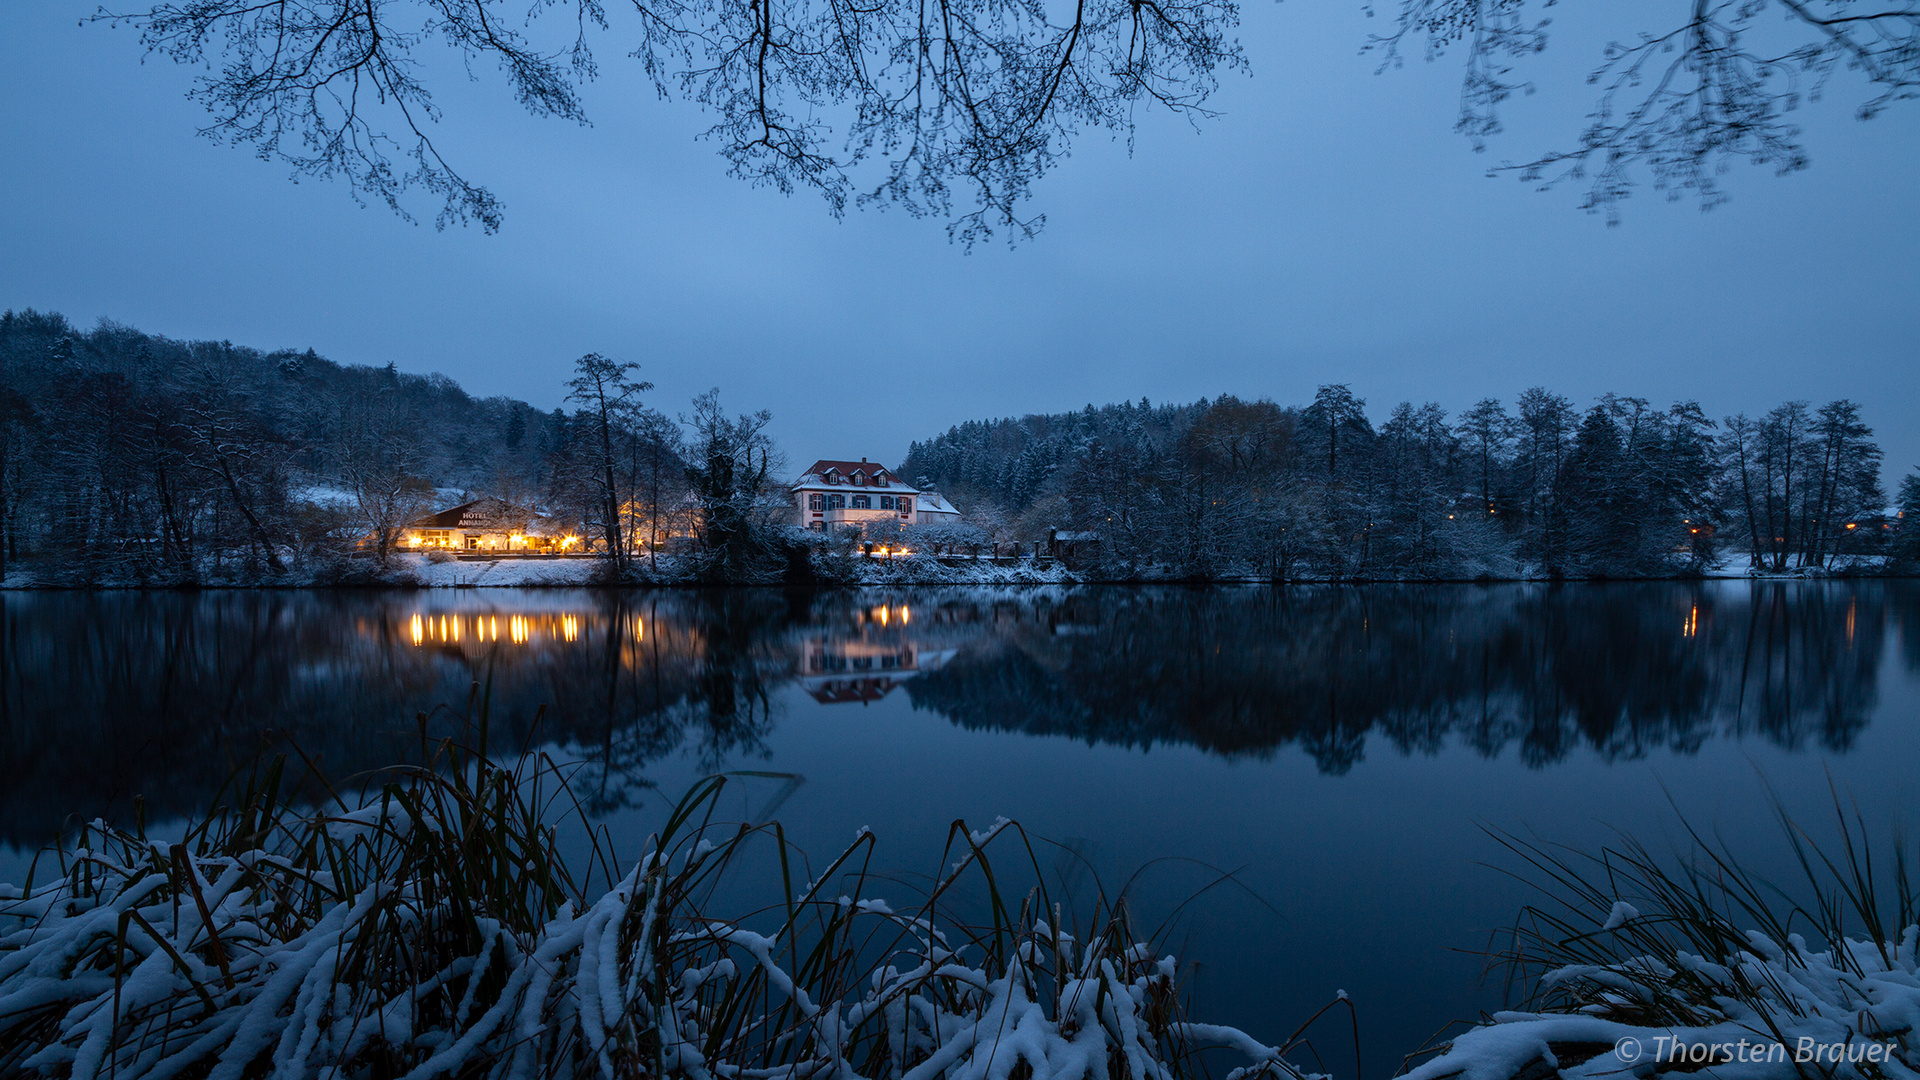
(419, 628)
(414, 541)
(1851, 525)
(906, 616)
(570, 628)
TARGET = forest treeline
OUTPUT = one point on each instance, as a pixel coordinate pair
(1621, 488)
(133, 458)
(130, 457)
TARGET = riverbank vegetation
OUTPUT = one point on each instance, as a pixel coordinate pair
(429, 925)
(1637, 963)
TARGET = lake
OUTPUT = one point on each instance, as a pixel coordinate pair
(1342, 750)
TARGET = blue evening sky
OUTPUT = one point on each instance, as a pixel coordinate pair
(1329, 227)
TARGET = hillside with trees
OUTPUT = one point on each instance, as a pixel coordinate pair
(1621, 488)
(133, 458)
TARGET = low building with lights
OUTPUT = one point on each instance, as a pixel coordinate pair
(488, 525)
(834, 494)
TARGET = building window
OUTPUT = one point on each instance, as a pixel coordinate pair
(886, 502)
(863, 502)
(836, 502)
(906, 504)
(816, 502)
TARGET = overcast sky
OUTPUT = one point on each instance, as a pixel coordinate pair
(1328, 228)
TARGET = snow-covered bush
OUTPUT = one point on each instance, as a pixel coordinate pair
(429, 929)
(1642, 969)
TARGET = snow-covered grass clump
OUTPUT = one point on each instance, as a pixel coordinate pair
(1641, 968)
(427, 928)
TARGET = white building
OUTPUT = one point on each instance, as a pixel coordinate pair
(831, 494)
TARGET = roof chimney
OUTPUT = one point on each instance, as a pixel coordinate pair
(863, 461)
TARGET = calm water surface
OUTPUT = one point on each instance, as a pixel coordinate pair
(1342, 749)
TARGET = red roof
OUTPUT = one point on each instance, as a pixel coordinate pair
(848, 468)
(869, 467)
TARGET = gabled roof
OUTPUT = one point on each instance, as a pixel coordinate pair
(449, 518)
(480, 512)
(932, 502)
(816, 473)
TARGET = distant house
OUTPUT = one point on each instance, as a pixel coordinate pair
(836, 493)
(487, 525)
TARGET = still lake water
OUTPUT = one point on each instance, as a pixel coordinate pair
(1343, 749)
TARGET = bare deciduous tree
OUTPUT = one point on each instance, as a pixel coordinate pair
(904, 103)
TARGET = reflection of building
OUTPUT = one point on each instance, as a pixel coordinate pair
(862, 494)
(839, 670)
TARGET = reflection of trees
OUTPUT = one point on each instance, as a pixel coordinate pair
(701, 680)
(104, 696)
(1623, 669)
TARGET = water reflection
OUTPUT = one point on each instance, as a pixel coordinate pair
(1620, 670)
(104, 696)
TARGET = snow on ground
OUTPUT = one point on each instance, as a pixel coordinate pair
(1771, 1012)
(457, 573)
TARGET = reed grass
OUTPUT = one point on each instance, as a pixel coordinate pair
(1701, 950)
(427, 926)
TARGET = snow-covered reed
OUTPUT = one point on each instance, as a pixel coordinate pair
(1645, 967)
(429, 928)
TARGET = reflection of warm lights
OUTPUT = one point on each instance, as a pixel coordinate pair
(883, 615)
(520, 629)
(1693, 622)
(906, 616)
